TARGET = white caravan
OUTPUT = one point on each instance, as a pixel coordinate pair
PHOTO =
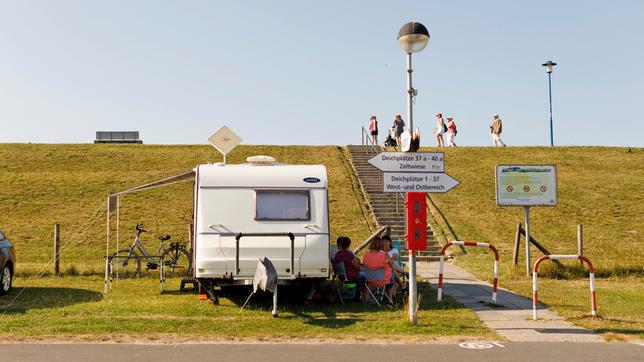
(244, 212)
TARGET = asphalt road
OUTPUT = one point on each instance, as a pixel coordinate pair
(504, 351)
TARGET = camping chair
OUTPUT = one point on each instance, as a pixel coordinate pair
(339, 275)
(376, 285)
(333, 249)
(401, 270)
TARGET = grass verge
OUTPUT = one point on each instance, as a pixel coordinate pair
(63, 307)
(601, 188)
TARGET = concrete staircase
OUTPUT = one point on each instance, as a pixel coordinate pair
(387, 209)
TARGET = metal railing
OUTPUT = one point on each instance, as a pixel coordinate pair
(366, 141)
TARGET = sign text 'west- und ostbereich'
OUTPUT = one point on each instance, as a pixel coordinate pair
(418, 182)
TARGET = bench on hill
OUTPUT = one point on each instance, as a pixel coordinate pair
(117, 137)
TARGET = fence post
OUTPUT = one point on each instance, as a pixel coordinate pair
(56, 249)
(517, 241)
(580, 242)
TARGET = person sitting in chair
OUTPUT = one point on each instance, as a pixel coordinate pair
(394, 254)
(350, 261)
(376, 259)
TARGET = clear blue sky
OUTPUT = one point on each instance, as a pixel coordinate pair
(312, 72)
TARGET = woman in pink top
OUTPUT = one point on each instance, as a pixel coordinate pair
(376, 259)
(451, 132)
(373, 128)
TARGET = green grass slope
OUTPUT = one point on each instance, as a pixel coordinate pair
(601, 188)
(45, 184)
(41, 185)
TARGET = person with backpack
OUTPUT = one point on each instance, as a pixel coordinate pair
(496, 128)
(451, 132)
(439, 130)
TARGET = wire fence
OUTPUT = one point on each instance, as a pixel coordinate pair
(83, 247)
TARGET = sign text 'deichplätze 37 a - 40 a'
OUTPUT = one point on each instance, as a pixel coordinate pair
(409, 162)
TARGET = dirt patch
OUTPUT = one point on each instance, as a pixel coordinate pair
(164, 338)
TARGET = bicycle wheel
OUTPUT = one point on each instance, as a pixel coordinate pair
(125, 264)
(176, 262)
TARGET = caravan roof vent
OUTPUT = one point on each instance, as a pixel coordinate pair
(261, 160)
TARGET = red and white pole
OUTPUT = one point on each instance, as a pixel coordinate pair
(593, 298)
(439, 296)
(535, 299)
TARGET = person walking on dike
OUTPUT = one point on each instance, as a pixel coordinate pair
(496, 128)
(373, 128)
(439, 130)
(399, 128)
(451, 132)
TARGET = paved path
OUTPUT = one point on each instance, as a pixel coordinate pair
(514, 320)
(506, 351)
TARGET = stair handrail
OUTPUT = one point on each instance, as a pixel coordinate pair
(366, 141)
(385, 229)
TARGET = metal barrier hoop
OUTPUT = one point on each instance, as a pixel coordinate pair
(439, 296)
(593, 299)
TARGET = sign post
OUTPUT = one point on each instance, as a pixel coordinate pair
(416, 174)
(526, 185)
(527, 239)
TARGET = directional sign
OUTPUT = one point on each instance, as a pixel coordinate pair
(418, 182)
(409, 161)
(224, 140)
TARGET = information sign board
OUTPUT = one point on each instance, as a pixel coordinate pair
(526, 185)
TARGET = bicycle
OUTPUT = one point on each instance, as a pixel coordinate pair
(175, 258)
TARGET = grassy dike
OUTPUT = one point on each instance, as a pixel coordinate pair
(41, 185)
(601, 188)
(45, 184)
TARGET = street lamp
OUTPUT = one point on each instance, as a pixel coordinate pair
(412, 37)
(549, 64)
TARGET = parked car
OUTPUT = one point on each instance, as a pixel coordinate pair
(7, 264)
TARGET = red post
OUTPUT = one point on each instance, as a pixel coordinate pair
(416, 205)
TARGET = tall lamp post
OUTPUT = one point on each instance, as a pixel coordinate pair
(549, 64)
(412, 37)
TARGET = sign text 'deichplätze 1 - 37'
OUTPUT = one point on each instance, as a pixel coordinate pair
(526, 185)
(418, 182)
(409, 161)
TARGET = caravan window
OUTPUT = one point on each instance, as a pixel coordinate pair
(282, 205)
